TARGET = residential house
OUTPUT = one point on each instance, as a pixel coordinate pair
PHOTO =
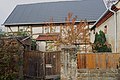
(109, 23)
(33, 18)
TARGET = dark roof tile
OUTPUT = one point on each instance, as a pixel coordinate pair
(42, 12)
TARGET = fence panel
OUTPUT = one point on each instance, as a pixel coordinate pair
(97, 60)
(41, 65)
(34, 65)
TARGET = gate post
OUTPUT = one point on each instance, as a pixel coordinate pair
(21, 52)
(68, 63)
(44, 66)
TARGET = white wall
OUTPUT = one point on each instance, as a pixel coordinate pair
(46, 46)
(92, 36)
(41, 45)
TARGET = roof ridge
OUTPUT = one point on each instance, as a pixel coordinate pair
(48, 2)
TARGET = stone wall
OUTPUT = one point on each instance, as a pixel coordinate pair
(68, 64)
(97, 74)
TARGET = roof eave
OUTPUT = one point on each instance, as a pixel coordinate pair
(101, 17)
(41, 23)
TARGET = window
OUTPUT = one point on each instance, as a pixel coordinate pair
(94, 31)
(105, 29)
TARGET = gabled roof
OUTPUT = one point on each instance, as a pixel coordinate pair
(106, 15)
(40, 13)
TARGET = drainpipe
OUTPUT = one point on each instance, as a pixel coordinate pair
(115, 19)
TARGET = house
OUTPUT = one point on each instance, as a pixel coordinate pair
(33, 18)
(109, 23)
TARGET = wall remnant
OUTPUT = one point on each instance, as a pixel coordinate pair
(68, 63)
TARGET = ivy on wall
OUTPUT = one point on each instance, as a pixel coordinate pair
(100, 43)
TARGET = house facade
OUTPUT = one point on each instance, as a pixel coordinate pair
(109, 23)
(36, 19)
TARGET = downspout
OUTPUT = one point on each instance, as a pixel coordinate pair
(115, 19)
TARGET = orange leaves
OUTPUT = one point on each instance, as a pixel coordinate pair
(74, 32)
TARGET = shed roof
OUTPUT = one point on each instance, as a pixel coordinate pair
(50, 37)
(39, 13)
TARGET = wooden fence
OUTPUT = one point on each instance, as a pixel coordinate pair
(98, 61)
(41, 65)
(46, 65)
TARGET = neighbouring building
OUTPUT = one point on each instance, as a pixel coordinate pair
(109, 23)
(33, 18)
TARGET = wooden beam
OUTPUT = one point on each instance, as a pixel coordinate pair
(27, 28)
(16, 32)
(31, 29)
(11, 30)
(56, 33)
(43, 29)
(18, 29)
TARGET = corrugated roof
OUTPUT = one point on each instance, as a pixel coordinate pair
(42, 12)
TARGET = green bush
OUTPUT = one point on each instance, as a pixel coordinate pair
(100, 43)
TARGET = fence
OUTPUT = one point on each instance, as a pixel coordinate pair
(98, 60)
(41, 65)
(46, 65)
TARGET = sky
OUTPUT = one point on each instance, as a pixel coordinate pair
(7, 6)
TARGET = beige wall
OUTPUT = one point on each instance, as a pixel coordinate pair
(118, 5)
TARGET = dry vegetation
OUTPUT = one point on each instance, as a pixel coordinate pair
(9, 59)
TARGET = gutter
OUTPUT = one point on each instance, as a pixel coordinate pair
(40, 23)
(115, 19)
